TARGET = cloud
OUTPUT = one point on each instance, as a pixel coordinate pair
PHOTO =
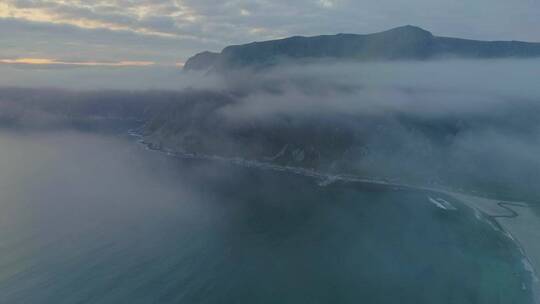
(169, 31)
(432, 88)
(462, 123)
(54, 62)
(122, 75)
(470, 124)
(326, 3)
(72, 43)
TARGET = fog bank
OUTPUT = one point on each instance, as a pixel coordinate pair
(468, 124)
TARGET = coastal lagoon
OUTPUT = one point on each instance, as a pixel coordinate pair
(96, 218)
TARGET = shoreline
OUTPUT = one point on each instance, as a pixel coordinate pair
(522, 228)
(521, 234)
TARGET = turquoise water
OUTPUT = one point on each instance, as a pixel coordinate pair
(95, 219)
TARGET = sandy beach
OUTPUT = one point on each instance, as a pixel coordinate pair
(519, 222)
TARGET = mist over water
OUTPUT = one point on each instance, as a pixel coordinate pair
(88, 215)
(463, 124)
(100, 78)
(96, 218)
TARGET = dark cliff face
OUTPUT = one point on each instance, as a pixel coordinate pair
(202, 61)
(402, 43)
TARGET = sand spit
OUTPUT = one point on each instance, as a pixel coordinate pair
(520, 224)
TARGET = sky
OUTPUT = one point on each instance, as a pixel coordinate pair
(118, 34)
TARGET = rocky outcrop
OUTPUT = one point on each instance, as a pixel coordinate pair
(202, 61)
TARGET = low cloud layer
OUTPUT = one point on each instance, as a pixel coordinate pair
(464, 124)
(96, 76)
(470, 124)
(437, 88)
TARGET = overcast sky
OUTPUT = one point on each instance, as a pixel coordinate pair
(140, 43)
(119, 33)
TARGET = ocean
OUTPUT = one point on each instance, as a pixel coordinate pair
(95, 218)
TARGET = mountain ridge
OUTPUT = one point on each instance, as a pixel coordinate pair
(400, 43)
